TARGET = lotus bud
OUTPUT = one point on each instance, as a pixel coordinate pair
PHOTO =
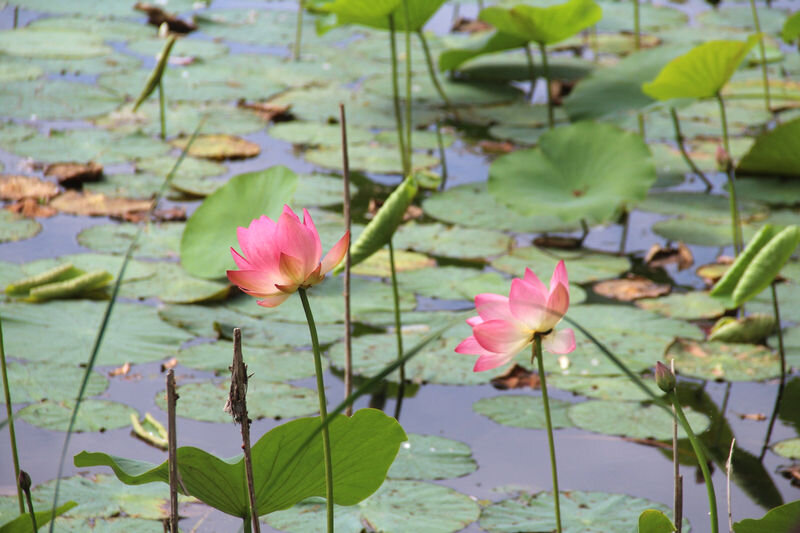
(163, 30)
(665, 379)
(24, 481)
(723, 158)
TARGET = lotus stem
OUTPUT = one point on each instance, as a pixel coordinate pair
(728, 472)
(594, 45)
(442, 155)
(432, 71)
(736, 226)
(16, 17)
(584, 230)
(531, 70)
(24, 481)
(348, 344)
(537, 354)
(10, 414)
(679, 141)
(677, 494)
(782, 382)
(546, 69)
(298, 32)
(637, 30)
(480, 4)
(640, 122)
(398, 115)
(172, 448)
(398, 327)
(162, 113)
(624, 238)
(408, 86)
(763, 54)
(701, 459)
(323, 408)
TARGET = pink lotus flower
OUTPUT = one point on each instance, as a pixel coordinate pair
(280, 257)
(504, 326)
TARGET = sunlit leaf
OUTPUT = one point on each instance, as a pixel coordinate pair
(545, 25)
(782, 519)
(775, 152)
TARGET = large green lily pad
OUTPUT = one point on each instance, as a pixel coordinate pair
(687, 305)
(16, 228)
(134, 334)
(703, 232)
(263, 364)
(605, 388)
(93, 415)
(29, 42)
(108, 525)
(172, 284)
(194, 48)
(373, 159)
(519, 411)
(104, 29)
(111, 8)
(396, 506)
(583, 265)
(426, 457)
(54, 99)
(157, 241)
(595, 187)
(774, 191)
(313, 134)
(190, 171)
(34, 382)
(741, 17)
(632, 419)
(544, 25)
(462, 243)
(581, 512)
(90, 145)
(205, 401)
(720, 361)
(321, 191)
(471, 206)
(617, 17)
(451, 282)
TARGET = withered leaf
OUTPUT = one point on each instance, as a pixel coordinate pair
(16, 187)
(30, 208)
(73, 174)
(157, 16)
(631, 288)
(94, 204)
(516, 377)
(268, 111)
(219, 147)
(659, 256)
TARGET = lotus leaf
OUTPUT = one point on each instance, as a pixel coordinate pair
(719, 361)
(522, 411)
(544, 25)
(632, 419)
(426, 457)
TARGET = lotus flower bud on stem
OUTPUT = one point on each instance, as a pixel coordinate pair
(665, 379)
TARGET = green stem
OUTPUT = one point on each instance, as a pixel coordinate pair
(679, 141)
(624, 239)
(323, 408)
(432, 72)
(531, 70)
(398, 115)
(637, 32)
(546, 69)
(11, 433)
(30, 510)
(782, 382)
(442, 155)
(729, 171)
(398, 327)
(640, 121)
(246, 527)
(763, 53)
(162, 112)
(537, 354)
(298, 32)
(408, 86)
(701, 459)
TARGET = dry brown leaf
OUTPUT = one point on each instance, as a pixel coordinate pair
(758, 417)
(219, 147)
(465, 25)
(120, 371)
(631, 288)
(268, 111)
(30, 208)
(157, 16)
(659, 256)
(173, 214)
(16, 187)
(516, 377)
(73, 174)
(496, 147)
(170, 363)
(94, 204)
(554, 241)
(791, 472)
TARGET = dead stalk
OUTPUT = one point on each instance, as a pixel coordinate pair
(728, 471)
(172, 448)
(348, 345)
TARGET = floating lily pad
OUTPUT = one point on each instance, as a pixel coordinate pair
(19, 71)
(523, 411)
(426, 457)
(135, 186)
(194, 48)
(321, 191)
(582, 512)
(436, 363)
(720, 361)
(789, 448)
(605, 388)
(698, 231)
(219, 147)
(54, 99)
(617, 17)
(156, 240)
(11, 132)
(16, 228)
(596, 187)
(109, 525)
(373, 159)
(172, 284)
(696, 205)
(29, 42)
(34, 382)
(396, 506)
(472, 206)
(378, 263)
(741, 17)
(687, 306)
(771, 191)
(313, 134)
(263, 364)
(10, 272)
(632, 419)
(463, 243)
(105, 29)
(94, 415)
(90, 145)
(266, 27)
(774, 152)
(458, 92)
(446, 282)
(134, 334)
(91, 66)
(583, 265)
(205, 401)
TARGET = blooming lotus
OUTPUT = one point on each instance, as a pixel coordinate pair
(506, 325)
(280, 257)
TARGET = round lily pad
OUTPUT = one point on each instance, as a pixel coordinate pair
(156, 241)
(104, 29)
(703, 232)
(770, 20)
(219, 147)
(687, 306)
(93, 415)
(30, 42)
(135, 186)
(134, 334)
(170, 283)
(632, 419)
(605, 388)
(89, 145)
(16, 228)
(697, 205)
(108, 525)
(772, 191)
(194, 48)
(321, 191)
(396, 506)
(462, 243)
(581, 512)
(190, 171)
(204, 401)
(617, 17)
(54, 99)
(19, 71)
(725, 362)
(314, 134)
(266, 27)
(457, 91)
(134, 270)
(789, 448)
(520, 411)
(445, 282)
(431, 457)
(90, 66)
(583, 265)
(263, 364)
(10, 272)
(378, 263)
(373, 159)
(34, 382)
(471, 205)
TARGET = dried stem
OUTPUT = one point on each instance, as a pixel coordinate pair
(348, 344)
(728, 471)
(172, 450)
(237, 407)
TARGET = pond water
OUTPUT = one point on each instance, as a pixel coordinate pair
(508, 459)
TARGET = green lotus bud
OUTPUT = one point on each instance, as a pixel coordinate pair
(665, 379)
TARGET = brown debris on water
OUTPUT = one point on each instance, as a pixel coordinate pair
(16, 187)
(268, 111)
(157, 16)
(516, 377)
(218, 147)
(631, 288)
(658, 256)
(465, 25)
(95, 204)
(30, 208)
(73, 174)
